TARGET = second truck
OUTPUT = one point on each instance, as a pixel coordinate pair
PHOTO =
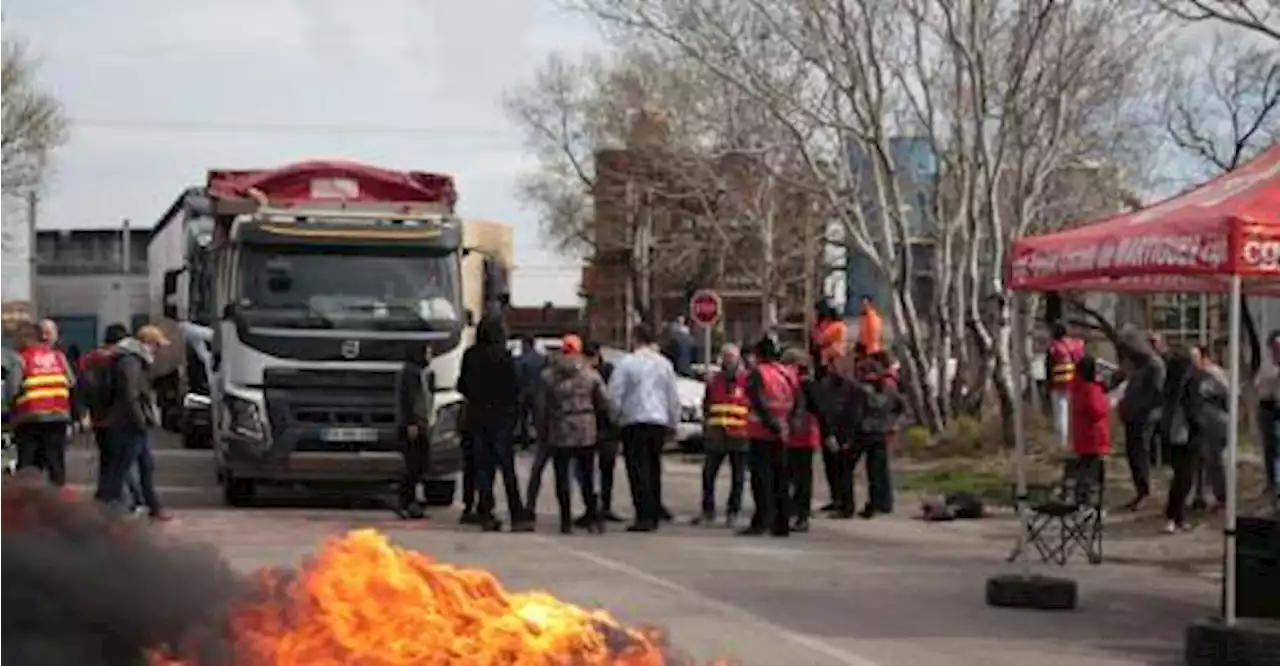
(298, 293)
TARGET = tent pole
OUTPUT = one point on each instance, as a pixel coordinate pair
(1020, 381)
(1233, 443)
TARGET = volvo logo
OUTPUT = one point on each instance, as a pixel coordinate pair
(349, 349)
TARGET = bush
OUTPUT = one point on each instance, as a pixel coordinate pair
(916, 441)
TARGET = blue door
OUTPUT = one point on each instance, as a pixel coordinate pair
(80, 331)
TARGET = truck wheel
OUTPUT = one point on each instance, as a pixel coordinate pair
(1039, 592)
(440, 492)
(1251, 641)
(237, 492)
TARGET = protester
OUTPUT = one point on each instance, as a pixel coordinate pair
(1143, 370)
(470, 471)
(528, 372)
(606, 441)
(489, 384)
(643, 394)
(814, 429)
(725, 436)
(95, 387)
(413, 393)
(133, 412)
(1175, 428)
(41, 385)
(1090, 427)
(870, 326)
(873, 409)
(828, 339)
(678, 346)
(776, 402)
(837, 450)
(571, 396)
(1061, 358)
(1210, 397)
(1268, 389)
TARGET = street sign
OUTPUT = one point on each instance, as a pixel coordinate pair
(704, 307)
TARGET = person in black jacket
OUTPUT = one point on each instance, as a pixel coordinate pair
(133, 412)
(413, 423)
(818, 404)
(489, 384)
(606, 442)
(872, 410)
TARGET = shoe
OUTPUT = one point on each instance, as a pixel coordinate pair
(596, 527)
(523, 526)
(490, 524)
(829, 506)
(731, 520)
(612, 517)
(1173, 528)
(584, 521)
(1136, 503)
(566, 526)
(780, 532)
(801, 526)
(665, 516)
(843, 513)
(705, 520)
(750, 532)
(867, 513)
(642, 527)
(469, 517)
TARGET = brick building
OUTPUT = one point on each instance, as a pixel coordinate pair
(669, 222)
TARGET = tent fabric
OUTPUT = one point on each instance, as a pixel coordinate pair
(1189, 243)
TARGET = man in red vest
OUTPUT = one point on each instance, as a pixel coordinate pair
(806, 439)
(725, 408)
(41, 410)
(774, 399)
(1063, 354)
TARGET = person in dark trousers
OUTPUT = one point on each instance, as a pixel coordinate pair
(529, 367)
(1209, 402)
(1089, 427)
(133, 412)
(775, 399)
(565, 409)
(725, 408)
(1144, 371)
(95, 389)
(642, 392)
(469, 473)
(837, 453)
(41, 386)
(488, 382)
(874, 411)
(606, 442)
(1176, 427)
(815, 428)
(413, 394)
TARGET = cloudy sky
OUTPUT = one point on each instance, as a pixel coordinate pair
(159, 91)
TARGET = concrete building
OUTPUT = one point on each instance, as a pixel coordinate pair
(87, 279)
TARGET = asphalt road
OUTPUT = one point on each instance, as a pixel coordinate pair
(848, 593)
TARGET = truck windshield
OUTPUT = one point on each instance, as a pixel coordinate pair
(326, 289)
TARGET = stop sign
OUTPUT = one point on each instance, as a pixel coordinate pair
(704, 307)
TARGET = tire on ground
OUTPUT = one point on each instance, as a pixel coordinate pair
(1039, 592)
(1252, 641)
(440, 492)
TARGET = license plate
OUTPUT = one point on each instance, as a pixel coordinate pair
(349, 435)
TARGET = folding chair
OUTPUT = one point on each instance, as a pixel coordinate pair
(1068, 516)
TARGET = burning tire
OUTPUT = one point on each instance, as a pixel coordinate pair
(1039, 592)
(1250, 641)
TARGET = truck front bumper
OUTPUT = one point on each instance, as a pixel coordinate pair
(246, 459)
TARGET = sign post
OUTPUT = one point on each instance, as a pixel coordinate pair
(705, 310)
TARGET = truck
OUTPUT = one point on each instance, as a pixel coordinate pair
(295, 295)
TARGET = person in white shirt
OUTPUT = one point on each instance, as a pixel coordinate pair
(642, 392)
(1267, 384)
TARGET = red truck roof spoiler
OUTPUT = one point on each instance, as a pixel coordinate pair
(333, 181)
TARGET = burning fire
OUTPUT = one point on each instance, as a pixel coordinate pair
(365, 601)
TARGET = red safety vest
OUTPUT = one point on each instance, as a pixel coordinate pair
(46, 390)
(727, 404)
(809, 437)
(1064, 353)
(780, 384)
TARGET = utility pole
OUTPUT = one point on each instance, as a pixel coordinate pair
(33, 210)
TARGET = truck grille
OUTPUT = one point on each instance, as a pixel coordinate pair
(308, 401)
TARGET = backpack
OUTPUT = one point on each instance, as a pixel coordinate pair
(97, 384)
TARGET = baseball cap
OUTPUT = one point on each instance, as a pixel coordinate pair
(152, 334)
(571, 344)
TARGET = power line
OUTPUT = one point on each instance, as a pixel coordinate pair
(204, 127)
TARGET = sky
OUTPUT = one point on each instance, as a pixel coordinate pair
(158, 92)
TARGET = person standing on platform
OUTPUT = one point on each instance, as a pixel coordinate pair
(725, 408)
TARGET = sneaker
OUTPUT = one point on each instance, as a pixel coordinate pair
(731, 520)
(523, 526)
(1170, 527)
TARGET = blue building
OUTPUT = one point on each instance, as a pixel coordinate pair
(916, 168)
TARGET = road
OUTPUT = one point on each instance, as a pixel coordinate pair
(853, 593)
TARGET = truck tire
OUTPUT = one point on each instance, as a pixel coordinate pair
(237, 492)
(1209, 642)
(440, 492)
(1038, 592)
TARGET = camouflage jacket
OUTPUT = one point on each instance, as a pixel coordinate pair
(570, 396)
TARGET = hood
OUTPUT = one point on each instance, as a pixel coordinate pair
(566, 366)
(133, 346)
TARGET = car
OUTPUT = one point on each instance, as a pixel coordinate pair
(691, 391)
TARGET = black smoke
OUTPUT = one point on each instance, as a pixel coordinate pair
(83, 586)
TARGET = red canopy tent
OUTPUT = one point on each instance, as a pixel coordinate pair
(1223, 236)
(1192, 242)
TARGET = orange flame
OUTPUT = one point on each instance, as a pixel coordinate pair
(364, 601)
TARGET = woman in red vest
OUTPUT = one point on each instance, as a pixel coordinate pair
(806, 439)
(42, 407)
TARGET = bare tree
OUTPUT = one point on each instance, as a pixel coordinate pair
(1000, 97)
(1258, 16)
(34, 122)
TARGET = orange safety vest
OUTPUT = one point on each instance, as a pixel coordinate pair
(830, 339)
(1064, 353)
(780, 384)
(728, 405)
(870, 330)
(46, 389)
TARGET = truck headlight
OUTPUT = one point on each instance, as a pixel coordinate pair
(447, 422)
(243, 417)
